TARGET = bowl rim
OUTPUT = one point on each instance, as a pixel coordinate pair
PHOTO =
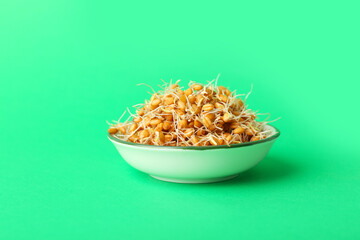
(237, 145)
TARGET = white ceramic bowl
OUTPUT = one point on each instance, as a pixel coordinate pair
(195, 164)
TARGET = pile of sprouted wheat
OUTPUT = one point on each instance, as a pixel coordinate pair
(200, 115)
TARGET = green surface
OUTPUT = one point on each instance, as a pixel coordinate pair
(67, 66)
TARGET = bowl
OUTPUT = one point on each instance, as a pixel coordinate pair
(195, 164)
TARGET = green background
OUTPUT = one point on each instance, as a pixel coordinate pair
(67, 66)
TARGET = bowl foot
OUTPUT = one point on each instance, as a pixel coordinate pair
(206, 180)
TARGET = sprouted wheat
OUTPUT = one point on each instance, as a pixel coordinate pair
(200, 115)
